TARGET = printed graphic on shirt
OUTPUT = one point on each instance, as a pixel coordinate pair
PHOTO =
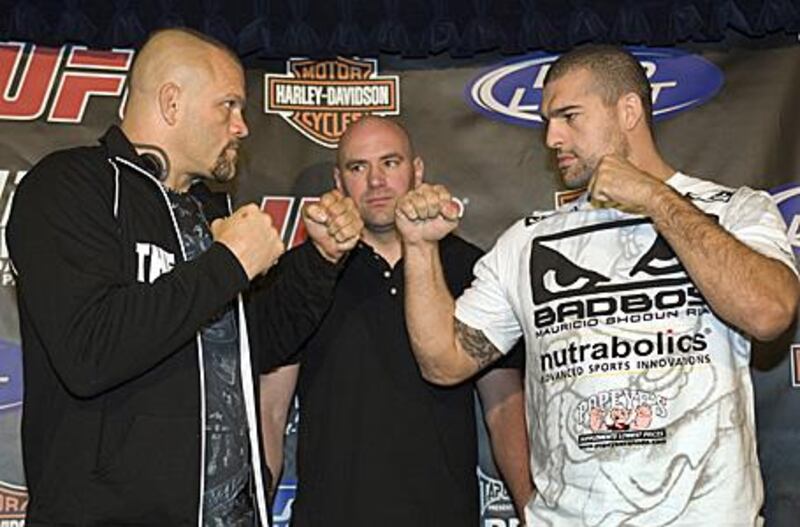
(621, 417)
(574, 288)
(152, 261)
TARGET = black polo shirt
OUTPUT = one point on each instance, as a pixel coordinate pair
(377, 444)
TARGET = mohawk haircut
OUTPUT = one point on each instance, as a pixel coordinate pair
(614, 70)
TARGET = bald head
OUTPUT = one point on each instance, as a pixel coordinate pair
(182, 56)
(372, 124)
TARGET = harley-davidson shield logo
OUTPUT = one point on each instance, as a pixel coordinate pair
(321, 97)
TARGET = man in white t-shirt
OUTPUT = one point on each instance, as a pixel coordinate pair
(637, 303)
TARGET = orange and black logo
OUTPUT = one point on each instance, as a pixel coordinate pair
(13, 504)
(320, 98)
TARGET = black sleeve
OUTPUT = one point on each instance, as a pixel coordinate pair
(99, 328)
(514, 359)
(287, 305)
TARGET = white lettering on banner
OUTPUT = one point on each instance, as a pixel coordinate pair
(152, 261)
(6, 199)
(500, 522)
(516, 107)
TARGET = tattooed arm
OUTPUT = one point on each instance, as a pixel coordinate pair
(447, 350)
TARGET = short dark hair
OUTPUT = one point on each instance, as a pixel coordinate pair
(616, 71)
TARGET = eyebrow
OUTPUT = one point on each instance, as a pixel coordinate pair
(559, 112)
(391, 155)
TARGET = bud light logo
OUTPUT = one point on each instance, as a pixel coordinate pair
(512, 92)
(10, 375)
(787, 198)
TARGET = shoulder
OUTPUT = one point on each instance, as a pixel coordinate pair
(453, 246)
(720, 199)
(701, 190)
(76, 169)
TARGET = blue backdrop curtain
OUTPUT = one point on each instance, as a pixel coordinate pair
(412, 28)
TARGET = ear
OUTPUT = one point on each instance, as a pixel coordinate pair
(337, 179)
(419, 171)
(630, 111)
(169, 96)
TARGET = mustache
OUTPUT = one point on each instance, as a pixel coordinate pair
(235, 144)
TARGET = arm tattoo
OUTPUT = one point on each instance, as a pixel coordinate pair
(476, 345)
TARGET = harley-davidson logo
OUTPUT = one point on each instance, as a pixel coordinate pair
(320, 98)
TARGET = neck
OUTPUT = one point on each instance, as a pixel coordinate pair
(144, 143)
(387, 244)
(647, 158)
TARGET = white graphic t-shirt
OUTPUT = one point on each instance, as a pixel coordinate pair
(639, 399)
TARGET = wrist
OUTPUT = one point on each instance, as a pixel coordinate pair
(662, 202)
(330, 257)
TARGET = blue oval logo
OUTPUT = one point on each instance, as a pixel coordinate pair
(512, 92)
(787, 198)
(10, 375)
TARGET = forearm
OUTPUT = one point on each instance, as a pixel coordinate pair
(503, 402)
(748, 290)
(429, 310)
(276, 390)
(289, 303)
(100, 333)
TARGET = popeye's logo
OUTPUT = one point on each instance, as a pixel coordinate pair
(320, 98)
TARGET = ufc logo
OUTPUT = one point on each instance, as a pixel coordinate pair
(282, 209)
(31, 76)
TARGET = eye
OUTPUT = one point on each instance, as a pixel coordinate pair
(392, 163)
(570, 117)
(356, 168)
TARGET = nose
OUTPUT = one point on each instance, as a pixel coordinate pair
(376, 177)
(239, 126)
(554, 137)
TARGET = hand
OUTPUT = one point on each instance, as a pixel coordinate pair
(333, 224)
(250, 236)
(426, 214)
(619, 184)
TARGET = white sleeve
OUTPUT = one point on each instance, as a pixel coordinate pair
(485, 304)
(754, 219)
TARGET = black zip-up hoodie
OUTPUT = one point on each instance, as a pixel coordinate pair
(113, 414)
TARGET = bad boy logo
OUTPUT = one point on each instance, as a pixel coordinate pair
(620, 417)
(321, 97)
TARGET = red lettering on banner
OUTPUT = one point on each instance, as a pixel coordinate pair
(299, 233)
(281, 209)
(74, 92)
(35, 84)
(278, 207)
(75, 87)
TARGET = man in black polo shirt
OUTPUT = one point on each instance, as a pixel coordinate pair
(377, 444)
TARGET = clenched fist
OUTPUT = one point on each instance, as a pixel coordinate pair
(619, 184)
(251, 237)
(426, 214)
(333, 224)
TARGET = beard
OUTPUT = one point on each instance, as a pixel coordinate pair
(582, 171)
(224, 168)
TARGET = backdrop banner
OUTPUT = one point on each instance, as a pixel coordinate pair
(727, 113)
